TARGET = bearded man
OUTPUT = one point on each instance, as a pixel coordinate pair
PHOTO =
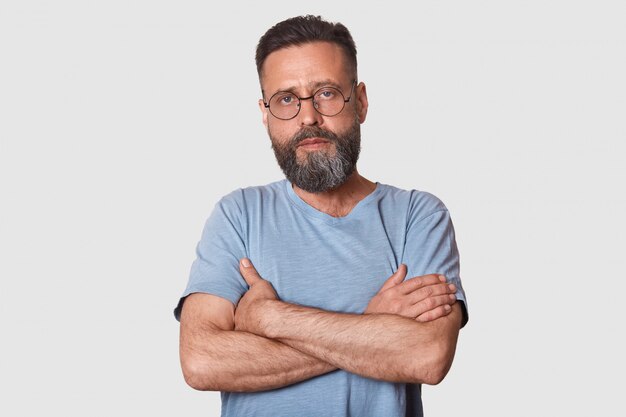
(323, 294)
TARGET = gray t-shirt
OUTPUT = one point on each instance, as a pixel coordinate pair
(333, 263)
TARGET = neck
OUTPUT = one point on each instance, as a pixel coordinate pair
(339, 201)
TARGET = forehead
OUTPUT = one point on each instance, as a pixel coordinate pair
(303, 66)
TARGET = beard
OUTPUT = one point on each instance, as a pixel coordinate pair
(320, 170)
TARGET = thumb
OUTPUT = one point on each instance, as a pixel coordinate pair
(248, 272)
(395, 279)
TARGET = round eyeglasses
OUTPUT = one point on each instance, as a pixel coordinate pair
(327, 101)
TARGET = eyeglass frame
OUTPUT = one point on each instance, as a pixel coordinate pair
(300, 99)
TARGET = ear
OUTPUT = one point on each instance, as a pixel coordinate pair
(263, 111)
(361, 102)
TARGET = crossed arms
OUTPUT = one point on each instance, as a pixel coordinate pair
(407, 334)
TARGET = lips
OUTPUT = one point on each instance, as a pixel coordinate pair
(312, 141)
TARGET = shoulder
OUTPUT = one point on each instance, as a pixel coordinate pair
(238, 208)
(419, 204)
(241, 200)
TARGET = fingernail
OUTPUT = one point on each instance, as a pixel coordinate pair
(447, 307)
(452, 297)
(452, 287)
(442, 278)
(245, 262)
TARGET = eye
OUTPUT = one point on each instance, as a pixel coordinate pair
(325, 94)
(284, 99)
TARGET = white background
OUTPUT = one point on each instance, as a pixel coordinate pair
(123, 122)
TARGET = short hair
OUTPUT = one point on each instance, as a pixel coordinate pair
(305, 29)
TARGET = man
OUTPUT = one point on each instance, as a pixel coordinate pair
(324, 294)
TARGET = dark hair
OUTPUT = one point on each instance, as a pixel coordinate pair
(304, 29)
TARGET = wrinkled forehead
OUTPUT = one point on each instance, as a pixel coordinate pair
(305, 67)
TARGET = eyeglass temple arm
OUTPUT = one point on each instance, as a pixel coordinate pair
(345, 100)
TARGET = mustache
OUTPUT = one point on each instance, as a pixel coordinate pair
(313, 132)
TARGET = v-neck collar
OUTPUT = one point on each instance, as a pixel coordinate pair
(327, 218)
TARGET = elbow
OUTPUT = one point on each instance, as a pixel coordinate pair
(435, 374)
(432, 368)
(197, 376)
(430, 373)
(193, 377)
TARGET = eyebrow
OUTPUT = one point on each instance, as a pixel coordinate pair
(313, 86)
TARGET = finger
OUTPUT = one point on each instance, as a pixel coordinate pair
(434, 314)
(248, 272)
(395, 279)
(415, 283)
(430, 291)
(432, 303)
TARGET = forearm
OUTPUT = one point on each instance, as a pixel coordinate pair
(379, 346)
(237, 361)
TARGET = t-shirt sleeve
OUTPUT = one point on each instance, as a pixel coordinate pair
(216, 267)
(430, 246)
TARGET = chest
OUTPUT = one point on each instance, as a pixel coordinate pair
(335, 268)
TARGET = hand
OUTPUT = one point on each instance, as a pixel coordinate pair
(424, 298)
(247, 316)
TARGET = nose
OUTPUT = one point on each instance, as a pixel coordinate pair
(308, 115)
